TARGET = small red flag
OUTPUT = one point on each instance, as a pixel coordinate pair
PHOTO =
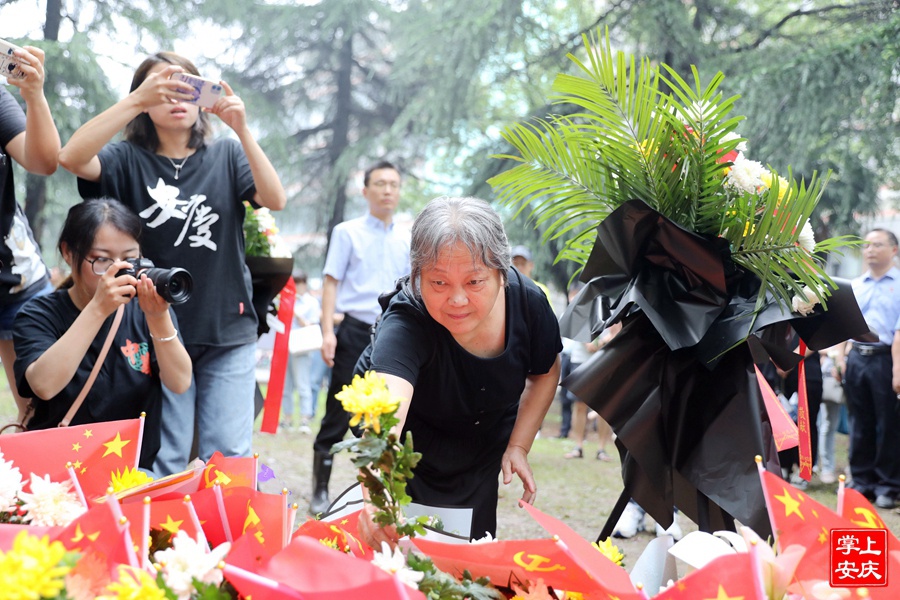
(728, 577)
(96, 451)
(230, 471)
(171, 516)
(98, 532)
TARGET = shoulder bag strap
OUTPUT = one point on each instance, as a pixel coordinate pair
(93, 376)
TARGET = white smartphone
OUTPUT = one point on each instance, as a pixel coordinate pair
(206, 93)
(9, 64)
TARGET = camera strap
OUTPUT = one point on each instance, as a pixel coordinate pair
(93, 376)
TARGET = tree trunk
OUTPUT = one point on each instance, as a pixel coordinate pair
(35, 185)
(340, 140)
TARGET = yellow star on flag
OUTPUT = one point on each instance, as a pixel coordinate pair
(77, 464)
(791, 506)
(115, 446)
(88, 433)
(76, 447)
(722, 595)
(171, 525)
(79, 535)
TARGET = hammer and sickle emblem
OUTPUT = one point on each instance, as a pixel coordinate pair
(870, 519)
(536, 560)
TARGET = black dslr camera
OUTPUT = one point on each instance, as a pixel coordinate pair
(174, 285)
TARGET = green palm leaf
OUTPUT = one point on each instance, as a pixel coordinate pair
(677, 152)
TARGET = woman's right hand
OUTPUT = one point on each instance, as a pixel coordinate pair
(113, 291)
(158, 88)
(372, 533)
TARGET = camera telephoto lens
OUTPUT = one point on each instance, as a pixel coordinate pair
(174, 285)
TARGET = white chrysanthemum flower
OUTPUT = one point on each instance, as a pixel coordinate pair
(394, 562)
(50, 503)
(10, 484)
(807, 238)
(730, 136)
(187, 560)
(746, 175)
(487, 539)
(265, 220)
(805, 306)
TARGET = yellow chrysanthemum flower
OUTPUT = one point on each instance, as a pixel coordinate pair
(134, 584)
(128, 479)
(609, 550)
(367, 398)
(783, 186)
(31, 569)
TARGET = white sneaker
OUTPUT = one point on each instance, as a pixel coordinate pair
(674, 530)
(631, 521)
(827, 477)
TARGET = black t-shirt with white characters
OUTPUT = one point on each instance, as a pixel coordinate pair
(194, 222)
(128, 382)
(22, 272)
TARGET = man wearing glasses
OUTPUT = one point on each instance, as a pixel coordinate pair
(872, 391)
(365, 258)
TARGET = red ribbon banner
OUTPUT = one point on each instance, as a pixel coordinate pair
(272, 405)
(803, 417)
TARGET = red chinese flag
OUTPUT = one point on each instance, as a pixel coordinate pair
(230, 471)
(728, 577)
(98, 532)
(96, 451)
(320, 573)
(350, 524)
(171, 516)
(613, 578)
(798, 519)
(784, 430)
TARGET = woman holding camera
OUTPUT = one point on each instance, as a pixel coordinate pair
(188, 194)
(59, 337)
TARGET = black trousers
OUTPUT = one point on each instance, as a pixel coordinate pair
(874, 424)
(352, 338)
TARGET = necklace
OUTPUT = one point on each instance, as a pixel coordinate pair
(178, 166)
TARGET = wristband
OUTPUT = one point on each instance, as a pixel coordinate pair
(165, 339)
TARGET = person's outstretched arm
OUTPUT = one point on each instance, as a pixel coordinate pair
(79, 155)
(36, 148)
(269, 191)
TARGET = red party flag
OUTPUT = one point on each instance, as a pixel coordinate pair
(230, 471)
(95, 450)
(336, 535)
(728, 577)
(613, 578)
(859, 511)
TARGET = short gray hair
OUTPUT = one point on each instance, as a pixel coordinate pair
(447, 221)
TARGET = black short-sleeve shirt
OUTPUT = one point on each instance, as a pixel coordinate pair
(463, 407)
(194, 222)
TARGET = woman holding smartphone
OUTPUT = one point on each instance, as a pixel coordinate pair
(30, 138)
(189, 194)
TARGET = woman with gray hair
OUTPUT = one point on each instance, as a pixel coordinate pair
(472, 347)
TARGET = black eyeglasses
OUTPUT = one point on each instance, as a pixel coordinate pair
(101, 264)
